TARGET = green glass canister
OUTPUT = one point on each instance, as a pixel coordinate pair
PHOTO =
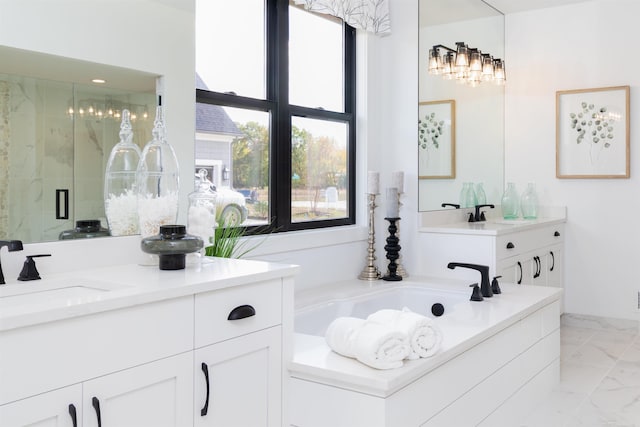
(510, 202)
(529, 202)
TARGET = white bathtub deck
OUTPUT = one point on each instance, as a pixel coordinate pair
(463, 329)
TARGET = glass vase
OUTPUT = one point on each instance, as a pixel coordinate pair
(510, 202)
(529, 202)
(158, 181)
(471, 200)
(481, 196)
(201, 218)
(463, 194)
(120, 199)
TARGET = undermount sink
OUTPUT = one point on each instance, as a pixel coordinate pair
(67, 292)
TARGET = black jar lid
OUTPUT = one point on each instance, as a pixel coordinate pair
(88, 225)
(173, 231)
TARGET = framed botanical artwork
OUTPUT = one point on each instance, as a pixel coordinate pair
(437, 139)
(592, 133)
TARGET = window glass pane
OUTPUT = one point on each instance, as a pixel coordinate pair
(233, 145)
(230, 46)
(319, 184)
(315, 60)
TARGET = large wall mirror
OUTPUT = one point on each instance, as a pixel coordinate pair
(57, 129)
(476, 112)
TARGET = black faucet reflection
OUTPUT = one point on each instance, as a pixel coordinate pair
(485, 287)
(12, 246)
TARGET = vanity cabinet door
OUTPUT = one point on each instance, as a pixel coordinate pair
(158, 394)
(239, 381)
(58, 408)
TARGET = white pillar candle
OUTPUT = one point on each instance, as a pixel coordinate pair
(373, 182)
(393, 210)
(397, 180)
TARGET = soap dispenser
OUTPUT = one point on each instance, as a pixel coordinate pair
(120, 200)
(157, 181)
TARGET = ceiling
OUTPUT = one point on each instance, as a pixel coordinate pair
(51, 67)
(439, 12)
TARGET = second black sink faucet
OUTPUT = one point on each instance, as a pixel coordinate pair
(485, 287)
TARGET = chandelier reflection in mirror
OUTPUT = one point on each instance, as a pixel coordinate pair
(465, 65)
(107, 109)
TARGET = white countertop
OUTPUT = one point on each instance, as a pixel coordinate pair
(491, 227)
(82, 292)
(314, 361)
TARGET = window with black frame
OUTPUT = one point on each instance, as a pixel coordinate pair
(275, 113)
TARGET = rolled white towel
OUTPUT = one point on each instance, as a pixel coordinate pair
(425, 337)
(373, 344)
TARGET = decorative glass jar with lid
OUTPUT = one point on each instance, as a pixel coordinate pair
(201, 219)
(120, 199)
(157, 181)
(171, 244)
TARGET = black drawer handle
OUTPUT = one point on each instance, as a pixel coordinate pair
(553, 260)
(510, 245)
(73, 414)
(205, 408)
(556, 234)
(520, 267)
(241, 312)
(536, 259)
(96, 405)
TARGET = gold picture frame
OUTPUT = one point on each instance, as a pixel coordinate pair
(437, 139)
(592, 133)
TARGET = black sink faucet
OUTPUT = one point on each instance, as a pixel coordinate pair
(485, 287)
(479, 216)
(12, 246)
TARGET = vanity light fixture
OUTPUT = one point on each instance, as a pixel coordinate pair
(465, 65)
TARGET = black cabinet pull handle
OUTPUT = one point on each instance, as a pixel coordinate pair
(96, 405)
(538, 267)
(520, 267)
(556, 234)
(510, 245)
(241, 312)
(205, 408)
(553, 260)
(73, 414)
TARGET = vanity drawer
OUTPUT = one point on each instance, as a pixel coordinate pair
(524, 241)
(255, 307)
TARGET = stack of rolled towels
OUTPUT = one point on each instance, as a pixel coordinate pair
(386, 338)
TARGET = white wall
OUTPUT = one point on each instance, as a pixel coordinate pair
(579, 46)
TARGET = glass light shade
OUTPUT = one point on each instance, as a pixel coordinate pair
(435, 62)
(447, 66)
(462, 57)
(499, 74)
(487, 68)
(475, 61)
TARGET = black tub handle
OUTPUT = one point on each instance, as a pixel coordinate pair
(205, 408)
(241, 312)
(96, 406)
(73, 415)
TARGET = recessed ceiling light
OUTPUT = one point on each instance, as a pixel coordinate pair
(99, 81)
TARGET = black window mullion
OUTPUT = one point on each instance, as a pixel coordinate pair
(278, 76)
(350, 108)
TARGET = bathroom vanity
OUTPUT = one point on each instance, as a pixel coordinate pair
(135, 346)
(525, 252)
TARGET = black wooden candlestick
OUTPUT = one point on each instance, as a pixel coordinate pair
(393, 248)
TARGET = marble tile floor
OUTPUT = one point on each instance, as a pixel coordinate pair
(599, 376)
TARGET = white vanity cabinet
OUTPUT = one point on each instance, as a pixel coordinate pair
(139, 363)
(528, 253)
(238, 357)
